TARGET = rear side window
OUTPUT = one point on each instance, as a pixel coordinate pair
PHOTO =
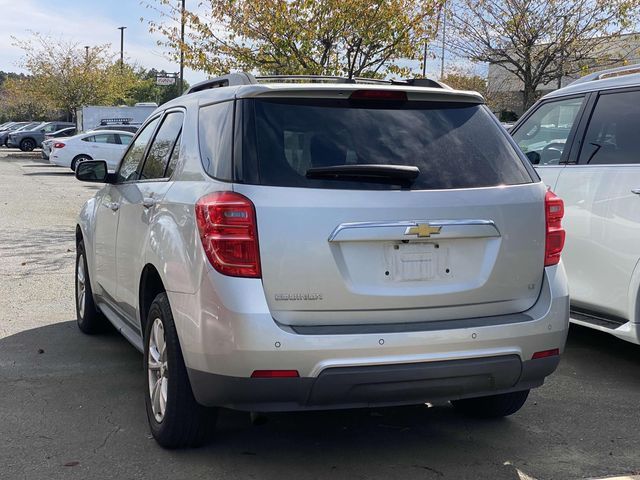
(215, 131)
(162, 146)
(454, 145)
(613, 135)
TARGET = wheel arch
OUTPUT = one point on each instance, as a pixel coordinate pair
(151, 284)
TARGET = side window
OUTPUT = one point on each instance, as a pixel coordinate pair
(133, 157)
(125, 139)
(173, 160)
(215, 131)
(91, 138)
(162, 146)
(543, 136)
(613, 134)
(106, 138)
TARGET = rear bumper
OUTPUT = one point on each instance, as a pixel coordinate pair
(381, 385)
(226, 332)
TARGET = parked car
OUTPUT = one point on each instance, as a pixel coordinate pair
(584, 141)
(4, 134)
(292, 246)
(57, 136)
(88, 146)
(27, 140)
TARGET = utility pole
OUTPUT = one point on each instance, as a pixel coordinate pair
(182, 20)
(424, 59)
(444, 35)
(121, 47)
(86, 53)
(562, 37)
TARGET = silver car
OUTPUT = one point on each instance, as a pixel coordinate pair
(302, 246)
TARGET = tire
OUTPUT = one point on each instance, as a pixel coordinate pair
(27, 145)
(495, 406)
(175, 418)
(79, 158)
(89, 318)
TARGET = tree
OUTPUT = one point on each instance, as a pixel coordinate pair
(19, 102)
(316, 37)
(462, 79)
(540, 41)
(66, 76)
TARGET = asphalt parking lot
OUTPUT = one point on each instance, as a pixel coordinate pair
(72, 406)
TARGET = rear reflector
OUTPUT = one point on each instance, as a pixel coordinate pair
(546, 353)
(58, 145)
(275, 374)
(229, 233)
(554, 243)
(379, 95)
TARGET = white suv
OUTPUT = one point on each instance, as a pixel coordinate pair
(292, 246)
(584, 140)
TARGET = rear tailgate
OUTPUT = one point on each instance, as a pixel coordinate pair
(326, 264)
(465, 238)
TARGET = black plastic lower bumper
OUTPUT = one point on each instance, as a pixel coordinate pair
(379, 385)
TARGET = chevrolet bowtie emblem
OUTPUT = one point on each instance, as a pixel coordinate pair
(422, 230)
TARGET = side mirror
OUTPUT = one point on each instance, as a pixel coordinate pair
(534, 157)
(93, 171)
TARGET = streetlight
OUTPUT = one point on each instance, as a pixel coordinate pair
(121, 47)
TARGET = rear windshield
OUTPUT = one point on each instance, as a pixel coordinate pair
(454, 145)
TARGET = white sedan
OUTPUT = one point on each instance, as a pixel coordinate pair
(94, 145)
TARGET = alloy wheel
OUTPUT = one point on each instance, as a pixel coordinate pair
(81, 290)
(158, 371)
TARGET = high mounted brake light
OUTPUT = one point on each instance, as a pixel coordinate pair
(554, 241)
(229, 233)
(397, 96)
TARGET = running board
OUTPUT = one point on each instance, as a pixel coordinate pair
(582, 315)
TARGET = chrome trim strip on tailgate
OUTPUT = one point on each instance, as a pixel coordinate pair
(377, 231)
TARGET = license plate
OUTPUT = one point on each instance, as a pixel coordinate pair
(416, 261)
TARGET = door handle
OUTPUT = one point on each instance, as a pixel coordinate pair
(636, 191)
(112, 205)
(148, 202)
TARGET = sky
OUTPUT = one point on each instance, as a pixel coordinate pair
(87, 22)
(96, 22)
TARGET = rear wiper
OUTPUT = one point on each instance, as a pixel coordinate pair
(396, 174)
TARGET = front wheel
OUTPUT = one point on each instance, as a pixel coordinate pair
(89, 318)
(27, 145)
(175, 418)
(78, 159)
(494, 406)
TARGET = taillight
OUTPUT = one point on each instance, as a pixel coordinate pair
(554, 211)
(398, 96)
(229, 233)
(58, 145)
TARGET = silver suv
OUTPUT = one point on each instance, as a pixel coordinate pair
(277, 246)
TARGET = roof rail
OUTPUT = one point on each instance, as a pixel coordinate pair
(320, 79)
(244, 78)
(229, 80)
(609, 73)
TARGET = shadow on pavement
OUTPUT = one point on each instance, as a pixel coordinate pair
(77, 400)
(50, 174)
